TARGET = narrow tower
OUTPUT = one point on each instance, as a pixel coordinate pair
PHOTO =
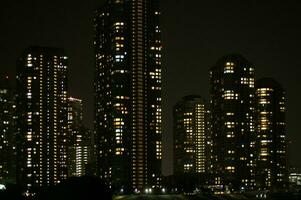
(7, 132)
(79, 145)
(42, 117)
(128, 94)
(190, 142)
(272, 172)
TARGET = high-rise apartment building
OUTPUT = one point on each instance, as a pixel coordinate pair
(190, 141)
(7, 133)
(272, 169)
(79, 145)
(128, 94)
(233, 123)
(42, 117)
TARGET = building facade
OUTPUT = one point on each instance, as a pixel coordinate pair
(128, 94)
(233, 124)
(190, 142)
(7, 133)
(79, 145)
(272, 170)
(42, 117)
(295, 179)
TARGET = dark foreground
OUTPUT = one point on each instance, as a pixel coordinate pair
(92, 188)
(287, 196)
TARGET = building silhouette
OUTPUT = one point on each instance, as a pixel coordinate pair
(7, 132)
(191, 130)
(42, 117)
(272, 166)
(128, 94)
(233, 123)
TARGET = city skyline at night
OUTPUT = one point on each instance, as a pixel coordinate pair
(267, 34)
(129, 64)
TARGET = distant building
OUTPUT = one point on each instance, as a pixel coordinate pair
(128, 109)
(79, 145)
(233, 124)
(190, 142)
(42, 117)
(90, 167)
(7, 133)
(295, 179)
(272, 169)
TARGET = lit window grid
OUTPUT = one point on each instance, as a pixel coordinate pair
(38, 66)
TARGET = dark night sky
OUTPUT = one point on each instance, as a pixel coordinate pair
(195, 34)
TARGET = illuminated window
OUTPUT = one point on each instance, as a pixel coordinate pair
(229, 68)
(230, 124)
(229, 94)
(230, 169)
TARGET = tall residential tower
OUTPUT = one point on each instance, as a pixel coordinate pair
(128, 94)
(190, 141)
(7, 132)
(272, 169)
(42, 122)
(233, 125)
(79, 140)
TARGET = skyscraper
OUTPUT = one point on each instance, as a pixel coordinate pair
(272, 169)
(128, 94)
(7, 133)
(42, 122)
(233, 125)
(190, 141)
(79, 148)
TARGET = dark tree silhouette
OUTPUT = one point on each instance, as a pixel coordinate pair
(12, 192)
